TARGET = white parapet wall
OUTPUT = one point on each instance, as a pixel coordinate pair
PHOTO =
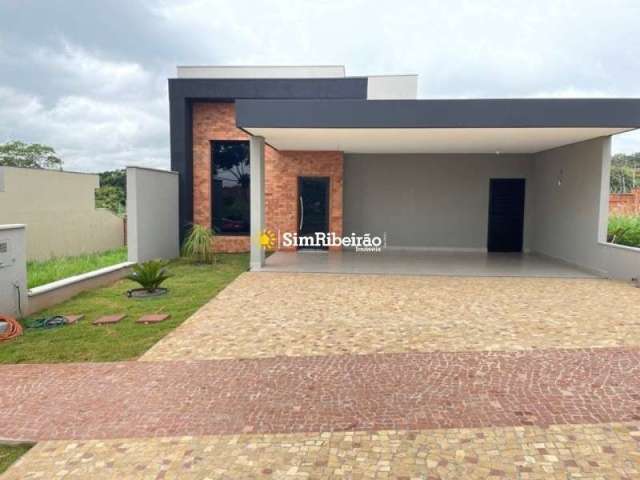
(392, 87)
(13, 270)
(261, 71)
(152, 214)
(51, 294)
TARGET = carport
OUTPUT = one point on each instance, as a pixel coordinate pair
(464, 187)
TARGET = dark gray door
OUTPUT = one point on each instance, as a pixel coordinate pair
(506, 214)
(313, 208)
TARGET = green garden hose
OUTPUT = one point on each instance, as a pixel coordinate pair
(49, 322)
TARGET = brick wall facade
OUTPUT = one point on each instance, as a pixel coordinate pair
(282, 169)
(625, 203)
(216, 121)
(212, 121)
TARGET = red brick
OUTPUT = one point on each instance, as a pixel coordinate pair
(71, 319)
(108, 319)
(216, 121)
(153, 318)
(408, 391)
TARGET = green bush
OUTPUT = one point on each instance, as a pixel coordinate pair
(624, 230)
(149, 275)
(198, 245)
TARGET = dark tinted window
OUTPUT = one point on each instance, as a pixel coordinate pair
(230, 187)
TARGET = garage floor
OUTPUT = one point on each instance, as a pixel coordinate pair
(403, 262)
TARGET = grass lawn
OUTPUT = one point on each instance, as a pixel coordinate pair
(11, 453)
(189, 288)
(47, 271)
(624, 230)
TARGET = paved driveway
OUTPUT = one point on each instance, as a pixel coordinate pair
(272, 314)
(332, 376)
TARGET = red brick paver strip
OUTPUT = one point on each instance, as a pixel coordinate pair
(315, 394)
(153, 318)
(108, 319)
(71, 319)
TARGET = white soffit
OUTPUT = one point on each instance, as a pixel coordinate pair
(428, 140)
(262, 71)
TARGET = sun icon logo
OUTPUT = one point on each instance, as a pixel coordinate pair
(268, 240)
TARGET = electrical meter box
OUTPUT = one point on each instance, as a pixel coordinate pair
(13, 270)
(5, 253)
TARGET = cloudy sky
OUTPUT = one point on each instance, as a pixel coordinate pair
(88, 77)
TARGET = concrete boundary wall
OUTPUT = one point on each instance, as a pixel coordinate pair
(152, 214)
(59, 211)
(620, 261)
(625, 203)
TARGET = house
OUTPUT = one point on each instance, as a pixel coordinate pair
(307, 151)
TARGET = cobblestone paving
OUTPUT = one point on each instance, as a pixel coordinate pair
(307, 394)
(269, 314)
(441, 378)
(559, 452)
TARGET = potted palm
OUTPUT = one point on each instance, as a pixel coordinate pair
(149, 275)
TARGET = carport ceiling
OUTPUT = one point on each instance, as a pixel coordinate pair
(435, 126)
(428, 140)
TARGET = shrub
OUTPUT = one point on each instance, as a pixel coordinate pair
(149, 275)
(198, 245)
(624, 230)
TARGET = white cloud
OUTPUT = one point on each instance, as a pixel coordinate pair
(90, 135)
(89, 73)
(626, 142)
(90, 79)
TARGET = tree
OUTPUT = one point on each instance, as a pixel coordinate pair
(28, 155)
(114, 178)
(111, 198)
(112, 193)
(625, 172)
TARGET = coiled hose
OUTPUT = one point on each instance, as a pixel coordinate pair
(49, 322)
(14, 329)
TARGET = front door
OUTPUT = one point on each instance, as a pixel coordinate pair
(313, 207)
(506, 214)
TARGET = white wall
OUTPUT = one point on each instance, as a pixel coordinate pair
(13, 270)
(432, 201)
(567, 215)
(392, 87)
(152, 214)
(570, 221)
(260, 71)
(59, 211)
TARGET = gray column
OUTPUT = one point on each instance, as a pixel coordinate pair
(256, 158)
(605, 188)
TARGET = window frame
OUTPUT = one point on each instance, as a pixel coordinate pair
(212, 205)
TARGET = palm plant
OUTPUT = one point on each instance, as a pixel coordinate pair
(149, 275)
(199, 244)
